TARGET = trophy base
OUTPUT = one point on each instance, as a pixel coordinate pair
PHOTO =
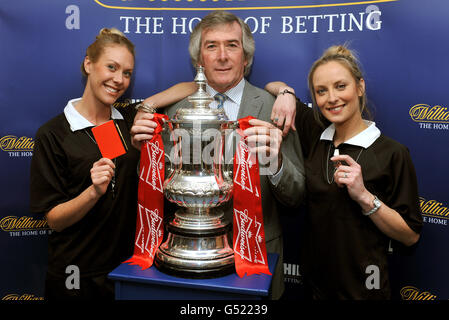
(195, 254)
(184, 272)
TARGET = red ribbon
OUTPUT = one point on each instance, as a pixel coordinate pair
(249, 235)
(150, 202)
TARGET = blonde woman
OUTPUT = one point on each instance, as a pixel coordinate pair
(361, 186)
(89, 201)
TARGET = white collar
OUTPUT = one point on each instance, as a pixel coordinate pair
(363, 139)
(78, 122)
(234, 94)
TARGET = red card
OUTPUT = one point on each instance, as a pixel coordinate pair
(108, 140)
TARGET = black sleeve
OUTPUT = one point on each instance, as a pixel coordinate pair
(403, 196)
(307, 126)
(48, 185)
(129, 112)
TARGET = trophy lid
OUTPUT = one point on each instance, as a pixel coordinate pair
(200, 100)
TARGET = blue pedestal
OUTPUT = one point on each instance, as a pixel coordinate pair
(133, 283)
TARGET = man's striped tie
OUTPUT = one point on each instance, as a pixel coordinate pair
(220, 98)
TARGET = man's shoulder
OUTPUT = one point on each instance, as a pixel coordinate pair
(254, 90)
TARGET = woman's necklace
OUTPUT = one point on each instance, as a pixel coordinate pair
(115, 164)
(91, 138)
(336, 152)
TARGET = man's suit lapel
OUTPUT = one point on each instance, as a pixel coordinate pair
(251, 103)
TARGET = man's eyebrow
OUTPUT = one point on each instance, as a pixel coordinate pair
(229, 40)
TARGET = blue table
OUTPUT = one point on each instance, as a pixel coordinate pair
(133, 283)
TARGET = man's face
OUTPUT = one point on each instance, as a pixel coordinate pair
(222, 56)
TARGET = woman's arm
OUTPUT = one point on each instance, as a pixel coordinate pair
(68, 213)
(143, 126)
(276, 87)
(284, 108)
(388, 220)
(171, 95)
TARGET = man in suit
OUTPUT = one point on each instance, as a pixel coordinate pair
(223, 44)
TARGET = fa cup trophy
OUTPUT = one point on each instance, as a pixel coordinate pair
(200, 184)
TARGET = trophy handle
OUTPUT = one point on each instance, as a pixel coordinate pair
(168, 126)
(228, 171)
(228, 163)
(170, 169)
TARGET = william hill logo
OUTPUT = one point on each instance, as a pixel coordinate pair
(434, 211)
(125, 103)
(412, 293)
(430, 117)
(21, 297)
(24, 226)
(17, 146)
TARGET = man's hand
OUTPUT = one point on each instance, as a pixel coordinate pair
(264, 139)
(142, 129)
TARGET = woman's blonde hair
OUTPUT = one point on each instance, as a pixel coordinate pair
(347, 58)
(106, 37)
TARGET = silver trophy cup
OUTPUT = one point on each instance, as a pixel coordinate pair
(200, 183)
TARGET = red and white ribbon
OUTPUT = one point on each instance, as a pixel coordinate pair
(150, 202)
(249, 235)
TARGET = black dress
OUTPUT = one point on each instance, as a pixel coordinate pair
(340, 246)
(103, 238)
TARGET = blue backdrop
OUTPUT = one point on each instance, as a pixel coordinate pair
(402, 45)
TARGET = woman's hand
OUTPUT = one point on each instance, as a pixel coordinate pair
(101, 174)
(284, 108)
(388, 220)
(284, 112)
(350, 175)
